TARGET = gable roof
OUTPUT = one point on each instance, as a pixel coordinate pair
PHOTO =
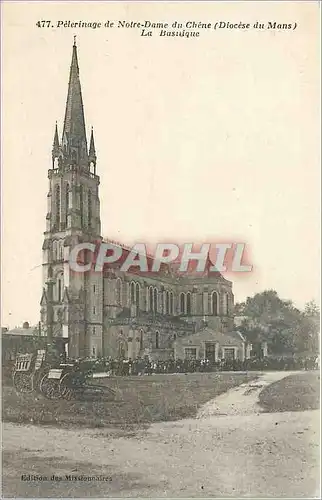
(23, 331)
(208, 334)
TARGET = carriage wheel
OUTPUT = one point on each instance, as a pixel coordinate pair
(23, 382)
(49, 387)
(36, 379)
(65, 391)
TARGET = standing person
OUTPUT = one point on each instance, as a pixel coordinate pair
(317, 362)
(52, 355)
(62, 357)
(130, 365)
(125, 370)
(140, 366)
(148, 366)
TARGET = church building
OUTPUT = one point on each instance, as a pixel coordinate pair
(115, 313)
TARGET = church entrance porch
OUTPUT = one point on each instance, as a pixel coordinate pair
(211, 351)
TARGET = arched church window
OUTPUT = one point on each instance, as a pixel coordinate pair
(59, 289)
(171, 303)
(132, 293)
(214, 303)
(54, 250)
(81, 203)
(188, 303)
(155, 300)
(182, 303)
(57, 204)
(119, 292)
(67, 202)
(60, 250)
(141, 339)
(226, 304)
(157, 339)
(167, 303)
(137, 295)
(90, 214)
(150, 298)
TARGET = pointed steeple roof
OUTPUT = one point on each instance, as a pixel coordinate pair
(43, 300)
(92, 151)
(66, 296)
(74, 134)
(56, 142)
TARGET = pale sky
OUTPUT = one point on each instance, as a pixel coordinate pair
(205, 139)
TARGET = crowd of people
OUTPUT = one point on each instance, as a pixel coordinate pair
(144, 366)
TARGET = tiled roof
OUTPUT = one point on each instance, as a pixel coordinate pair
(22, 331)
(231, 338)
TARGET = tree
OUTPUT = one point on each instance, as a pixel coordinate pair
(312, 310)
(310, 328)
(285, 328)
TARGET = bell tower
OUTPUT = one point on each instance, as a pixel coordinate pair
(72, 303)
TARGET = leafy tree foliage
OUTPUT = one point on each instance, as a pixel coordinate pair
(285, 328)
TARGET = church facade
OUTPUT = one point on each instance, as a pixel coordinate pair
(115, 313)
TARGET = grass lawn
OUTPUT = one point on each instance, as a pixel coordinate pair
(139, 400)
(294, 393)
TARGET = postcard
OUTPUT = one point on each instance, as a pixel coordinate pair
(160, 249)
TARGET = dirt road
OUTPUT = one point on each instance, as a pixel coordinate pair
(230, 450)
(242, 400)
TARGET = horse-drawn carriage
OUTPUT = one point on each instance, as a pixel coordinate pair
(28, 371)
(70, 381)
(66, 380)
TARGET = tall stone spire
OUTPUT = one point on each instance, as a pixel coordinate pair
(74, 135)
(56, 149)
(92, 151)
